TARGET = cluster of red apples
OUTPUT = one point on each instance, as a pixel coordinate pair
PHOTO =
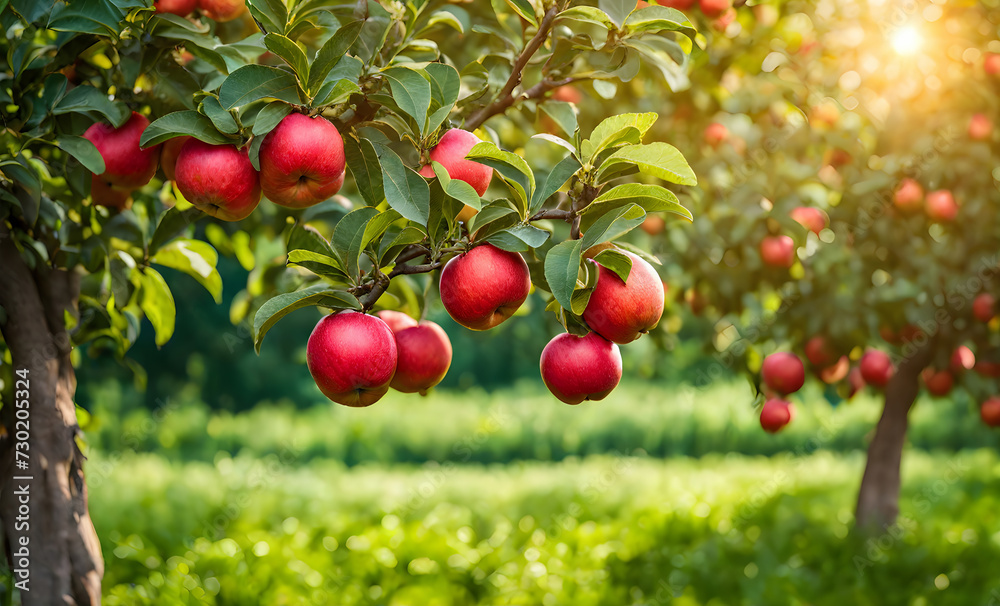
(783, 373)
(940, 205)
(216, 10)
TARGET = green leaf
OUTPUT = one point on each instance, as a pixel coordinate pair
(84, 151)
(563, 143)
(377, 226)
(335, 92)
(616, 261)
(659, 160)
(551, 183)
(652, 198)
(157, 302)
(97, 17)
(349, 237)
(291, 53)
(635, 250)
(525, 10)
(494, 211)
(222, 119)
(280, 306)
(254, 82)
(587, 14)
(30, 183)
(656, 18)
(460, 190)
(172, 223)
(563, 115)
(617, 10)
(363, 162)
(519, 238)
(179, 124)
(405, 190)
(511, 168)
(271, 12)
(87, 98)
(331, 53)
(411, 91)
(610, 128)
(197, 259)
(269, 117)
(562, 266)
(319, 264)
(392, 247)
(446, 85)
(306, 237)
(614, 224)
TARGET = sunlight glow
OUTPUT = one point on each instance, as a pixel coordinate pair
(907, 41)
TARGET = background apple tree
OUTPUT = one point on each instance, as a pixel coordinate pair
(896, 248)
(82, 256)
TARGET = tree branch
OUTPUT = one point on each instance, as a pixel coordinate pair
(376, 288)
(506, 96)
(552, 213)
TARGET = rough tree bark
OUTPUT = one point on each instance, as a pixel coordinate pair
(65, 561)
(878, 497)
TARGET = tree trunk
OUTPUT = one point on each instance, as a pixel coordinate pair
(49, 539)
(878, 497)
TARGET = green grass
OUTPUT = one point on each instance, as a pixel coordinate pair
(723, 530)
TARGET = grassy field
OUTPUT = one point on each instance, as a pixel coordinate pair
(602, 530)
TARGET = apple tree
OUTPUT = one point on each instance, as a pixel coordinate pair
(141, 136)
(846, 210)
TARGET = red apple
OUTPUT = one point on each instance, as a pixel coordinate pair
(778, 251)
(941, 205)
(716, 134)
(810, 218)
(909, 196)
(451, 151)
(396, 320)
(218, 179)
(681, 5)
(835, 373)
(567, 93)
(984, 307)
(724, 20)
(876, 368)
(990, 412)
(168, 156)
(302, 161)
(423, 356)
(580, 368)
(714, 8)
(352, 357)
(126, 165)
(775, 414)
(485, 286)
(992, 64)
(181, 8)
(988, 369)
(980, 127)
(653, 225)
(819, 352)
(222, 10)
(103, 193)
(963, 359)
(938, 382)
(857, 382)
(622, 311)
(783, 372)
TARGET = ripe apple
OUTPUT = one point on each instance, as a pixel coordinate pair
(653, 225)
(168, 155)
(126, 165)
(567, 93)
(819, 352)
(222, 10)
(980, 127)
(941, 205)
(450, 152)
(485, 286)
(938, 382)
(423, 356)
(352, 357)
(218, 179)
(813, 219)
(622, 311)
(103, 193)
(775, 414)
(909, 196)
(992, 64)
(783, 372)
(301, 161)
(778, 251)
(724, 20)
(857, 382)
(988, 369)
(716, 134)
(990, 412)
(835, 373)
(681, 5)
(963, 359)
(714, 8)
(581, 368)
(181, 8)
(876, 368)
(984, 307)
(396, 320)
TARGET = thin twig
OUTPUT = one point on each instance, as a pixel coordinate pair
(552, 213)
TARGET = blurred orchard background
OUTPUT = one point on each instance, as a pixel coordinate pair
(218, 476)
